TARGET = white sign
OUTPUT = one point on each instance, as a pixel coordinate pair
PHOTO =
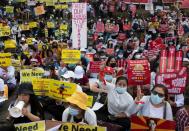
(79, 25)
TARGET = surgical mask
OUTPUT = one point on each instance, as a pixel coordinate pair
(120, 55)
(113, 65)
(120, 90)
(73, 112)
(108, 77)
(155, 99)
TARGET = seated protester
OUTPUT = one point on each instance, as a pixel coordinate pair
(119, 102)
(62, 69)
(6, 126)
(78, 112)
(81, 78)
(34, 57)
(8, 75)
(32, 110)
(53, 74)
(155, 105)
(69, 76)
(182, 119)
(50, 59)
(56, 50)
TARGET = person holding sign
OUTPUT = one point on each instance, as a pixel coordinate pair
(31, 110)
(155, 105)
(78, 112)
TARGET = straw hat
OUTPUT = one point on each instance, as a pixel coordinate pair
(79, 99)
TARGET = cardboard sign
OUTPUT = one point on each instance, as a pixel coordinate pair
(41, 86)
(33, 126)
(95, 66)
(71, 56)
(39, 10)
(10, 44)
(32, 25)
(50, 25)
(5, 31)
(78, 127)
(9, 9)
(27, 75)
(5, 59)
(138, 72)
(141, 123)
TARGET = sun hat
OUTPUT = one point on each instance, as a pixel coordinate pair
(79, 72)
(25, 88)
(69, 74)
(83, 50)
(79, 99)
(2, 85)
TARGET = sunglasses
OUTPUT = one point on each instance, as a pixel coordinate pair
(159, 94)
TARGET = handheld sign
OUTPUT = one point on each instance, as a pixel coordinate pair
(138, 72)
(71, 56)
(5, 59)
(33, 126)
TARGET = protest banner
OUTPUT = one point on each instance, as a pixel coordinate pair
(5, 59)
(71, 56)
(5, 31)
(79, 127)
(41, 86)
(60, 90)
(24, 27)
(95, 66)
(29, 41)
(9, 9)
(26, 75)
(32, 126)
(50, 25)
(138, 72)
(39, 10)
(32, 25)
(10, 44)
(171, 73)
(141, 123)
(79, 25)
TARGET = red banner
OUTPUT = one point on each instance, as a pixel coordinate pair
(138, 72)
(175, 82)
(168, 1)
(141, 123)
(95, 66)
(163, 61)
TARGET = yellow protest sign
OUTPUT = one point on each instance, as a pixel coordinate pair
(41, 86)
(64, 27)
(9, 9)
(58, 93)
(32, 25)
(68, 1)
(26, 75)
(24, 27)
(32, 126)
(20, 0)
(71, 56)
(50, 2)
(10, 44)
(5, 59)
(78, 127)
(59, 7)
(50, 25)
(16, 64)
(39, 10)
(29, 41)
(90, 101)
(5, 31)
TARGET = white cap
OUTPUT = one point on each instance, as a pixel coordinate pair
(79, 72)
(2, 85)
(69, 74)
(83, 50)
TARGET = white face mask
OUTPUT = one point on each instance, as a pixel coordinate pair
(121, 90)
